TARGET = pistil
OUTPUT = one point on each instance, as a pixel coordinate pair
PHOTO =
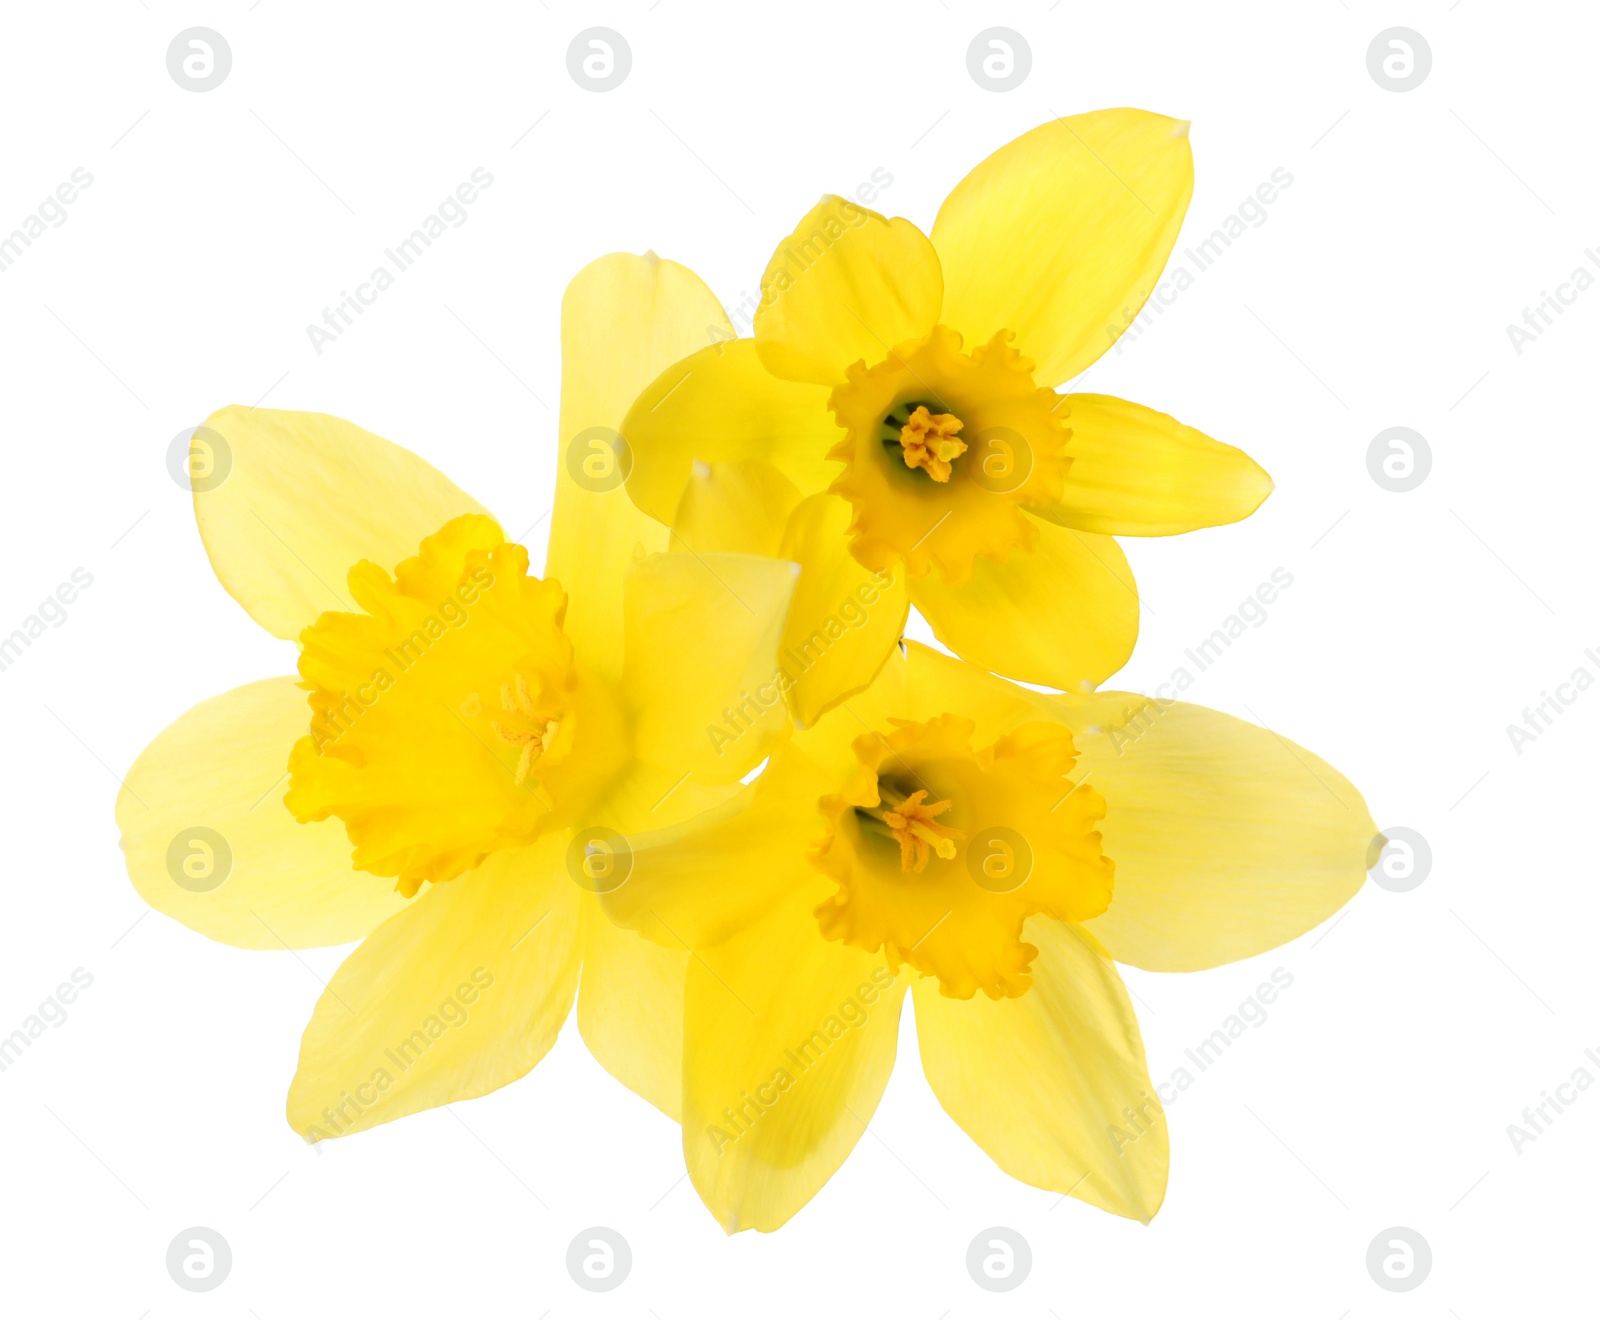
(928, 441)
(910, 821)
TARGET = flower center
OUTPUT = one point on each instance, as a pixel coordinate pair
(912, 823)
(428, 776)
(914, 502)
(941, 853)
(524, 726)
(927, 440)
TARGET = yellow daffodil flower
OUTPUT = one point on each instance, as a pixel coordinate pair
(464, 740)
(926, 364)
(956, 833)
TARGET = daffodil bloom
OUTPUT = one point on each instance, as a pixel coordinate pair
(997, 850)
(926, 365)
(448, 775)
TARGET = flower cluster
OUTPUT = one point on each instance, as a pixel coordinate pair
(664, 761)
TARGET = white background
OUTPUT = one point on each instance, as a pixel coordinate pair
(1419, 625)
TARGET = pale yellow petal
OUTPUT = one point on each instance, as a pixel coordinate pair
(701, 678)
(740, 507)
(1053, 1085)
(846, 286)
(845, 618)
(1228, 840)
(1138, 472)
(305, 497)
(209, 842)
(1064, 614)
(709, 877)
(630, 1009)
(789, 1040)
(721, 405)
(1062, 234)
(830, 742)
(624, 320)
(454, 997)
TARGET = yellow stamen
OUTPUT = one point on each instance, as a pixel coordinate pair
(928, 441)
(540, 730)
(911, 824)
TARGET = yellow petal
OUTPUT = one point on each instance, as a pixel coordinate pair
(721, 405)
(653, 797)
(630, 1009)
(210, 843)
(847, 285)
(702, 634)
(1228, 840)
(1042, 1082)
(1138, 472)
(830, 742)
(936, 683)
(1064, 614)
(701, 881)
(740, 507)
(454, 997)
(1062, 234)
(845, 618)
(624, 320)
(788, 1043)
(306, 497)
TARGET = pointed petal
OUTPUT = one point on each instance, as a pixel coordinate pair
(1062, 234)
(454, 997)
(721, 405)
(1064, 614)
(701, 648)
(789, 1040)
(624, 320)
(847, 285)
(305, 498)
(1041, 1082)
(1138, 472)
(630, 1009)
(740, 507)
(1228, 840)
(210, 843)
(845, 618)
(701, 881)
